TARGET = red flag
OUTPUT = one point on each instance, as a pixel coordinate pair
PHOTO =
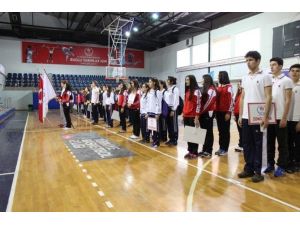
(41, 99)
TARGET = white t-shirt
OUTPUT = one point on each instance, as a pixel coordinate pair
(95, 95)
(108, 100)
(131, 98)
(280, 85)
(254, 88)
(294, 114)
(154, 102)
(172, 97)
(143, 104)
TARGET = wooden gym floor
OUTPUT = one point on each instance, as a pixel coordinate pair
(50, 179)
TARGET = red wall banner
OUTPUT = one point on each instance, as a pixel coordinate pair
(52, 53)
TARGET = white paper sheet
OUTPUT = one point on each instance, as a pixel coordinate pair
(194, 135)
(115, 115)
(152, 123)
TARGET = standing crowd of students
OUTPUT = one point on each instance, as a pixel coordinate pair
(136, 102)
(161, 101)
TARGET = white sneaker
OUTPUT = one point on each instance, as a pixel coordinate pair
(134, 137)
(67, 128)
(238, 148)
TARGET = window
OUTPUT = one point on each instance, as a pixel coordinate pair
(221, 49)
(246, 41)
(200, 54)
(184, 57)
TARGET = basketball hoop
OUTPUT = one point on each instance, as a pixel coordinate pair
(115, 72)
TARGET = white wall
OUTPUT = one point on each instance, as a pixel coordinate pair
(163, 61)
(11, 59)
(266, 22)
(19, 99)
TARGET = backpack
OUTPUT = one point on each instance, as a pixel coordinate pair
(164, 107)
(180, 105)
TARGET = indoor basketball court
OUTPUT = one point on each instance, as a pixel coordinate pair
(149, 112)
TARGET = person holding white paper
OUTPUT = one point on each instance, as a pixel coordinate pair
(256, 88)
(294, 121)
(154, 108)
(191, 111)
(144, 102)
(281, 96)
(208, 105)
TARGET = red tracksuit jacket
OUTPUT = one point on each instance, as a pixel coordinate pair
(192, 107)
(208, 103)
(224, 101)
(237, 104)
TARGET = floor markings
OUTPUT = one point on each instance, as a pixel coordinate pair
(109, 205)
(189, 205)
(14, 184)
(94, 184)
(5, 174)
(230, 180)
(101, 193)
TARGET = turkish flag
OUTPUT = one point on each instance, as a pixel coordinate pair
(41, 99)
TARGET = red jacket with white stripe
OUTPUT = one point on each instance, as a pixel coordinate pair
(192, 107)
(224, 101)
(208, 102)
(66, 97)
(122, 99)
(237, 104)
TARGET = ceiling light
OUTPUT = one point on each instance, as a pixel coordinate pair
(155, 16)
(127, 33)
(135, 29)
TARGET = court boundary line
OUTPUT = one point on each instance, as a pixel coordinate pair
(5, 174)
(14, 184)
(230, 180)
(190, 197)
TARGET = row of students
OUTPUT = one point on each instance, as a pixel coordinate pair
(147, 102)
(255, 87)
(201, 107)
(258, 86)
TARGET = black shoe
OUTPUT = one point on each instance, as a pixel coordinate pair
(245, 174)
(94, 123)
(171, 143)
(168, 143)
(290, 170)
(269, 169)
(257, 178)
(204, 155)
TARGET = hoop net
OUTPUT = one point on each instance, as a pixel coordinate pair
(116, 73)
